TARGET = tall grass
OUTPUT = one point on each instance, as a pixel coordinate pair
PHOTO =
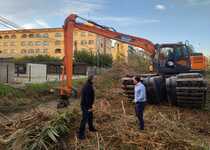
(6, 90)
(13, 99)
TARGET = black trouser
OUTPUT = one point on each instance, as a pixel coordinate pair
(139, 107)
(87, 117)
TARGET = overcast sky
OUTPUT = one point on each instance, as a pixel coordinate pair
(157, 20)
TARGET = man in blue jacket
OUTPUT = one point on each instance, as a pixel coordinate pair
(140, 100)
(87, 100)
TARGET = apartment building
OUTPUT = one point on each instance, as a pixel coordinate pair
(48, 41)
(120, 51)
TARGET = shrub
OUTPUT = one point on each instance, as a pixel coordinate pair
(101, 60)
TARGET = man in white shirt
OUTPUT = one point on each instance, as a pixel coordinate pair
(140, 100)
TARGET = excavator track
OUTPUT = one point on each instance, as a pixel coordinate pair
(187, 90)
(128, 88)
(207, 107)
(184, 90)
(154, 84)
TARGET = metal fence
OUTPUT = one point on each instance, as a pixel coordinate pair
(45, 72)
(36, 73)
(6, 70)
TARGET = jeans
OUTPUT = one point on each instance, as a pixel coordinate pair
(139, 107)
(87, 117)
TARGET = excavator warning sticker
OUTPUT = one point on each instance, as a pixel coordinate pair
(125, 38)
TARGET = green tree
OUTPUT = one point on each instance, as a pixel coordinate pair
(37, 59)
(105, 60)
(84, 57)
(102, 60)
(139, 63)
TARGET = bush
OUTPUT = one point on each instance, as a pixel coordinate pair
(84, 57)
(37, 59)
(101, 60)
(139, 63)
(6, 90)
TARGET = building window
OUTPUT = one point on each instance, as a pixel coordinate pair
(1, 37)
(30, 51)
(45, 35)
(31, 36)
(5, 51)
(23, 51)
(24, 36)
(90, 34)
(75, 45)
(12, 44)
(83, 42)
(6, 37)
(13, 36)
(45, 43)
(5, 44)
(37, 51)
(75, 33)
(38, 43)
(58, 34)
(57, 42)
(83, 33)
(0, 51)
(97, 42)
(45, 51)
(30, 43)
(12, 51)
(23, 43)
(57, 51)
(38, 35)
(90, 42)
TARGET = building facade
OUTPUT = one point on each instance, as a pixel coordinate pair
(91, 42)
(120, 51)
(50, 41)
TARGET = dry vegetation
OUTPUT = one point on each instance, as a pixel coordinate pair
(165, 127)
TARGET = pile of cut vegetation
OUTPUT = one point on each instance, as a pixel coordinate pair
(37, 131)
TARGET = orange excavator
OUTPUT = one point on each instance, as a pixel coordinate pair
(178, 69)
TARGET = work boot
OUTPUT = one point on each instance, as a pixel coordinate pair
(141, 129)
(80, 136)
(93, 130)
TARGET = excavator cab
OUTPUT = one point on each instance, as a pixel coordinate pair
(172, 58)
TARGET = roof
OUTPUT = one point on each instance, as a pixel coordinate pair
(9, 59)
(171, 44)
(31, 30)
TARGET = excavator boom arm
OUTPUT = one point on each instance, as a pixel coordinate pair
(145, 44)
(71, 24)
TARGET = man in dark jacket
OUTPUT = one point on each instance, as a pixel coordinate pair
(87, 100)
